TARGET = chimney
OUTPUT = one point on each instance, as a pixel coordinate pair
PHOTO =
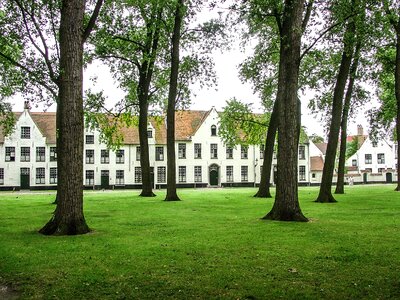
(26, 105)
(360, 130)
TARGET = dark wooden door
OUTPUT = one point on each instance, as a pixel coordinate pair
(213, 177)
(105, 179)
(25, 178)
(389, 178)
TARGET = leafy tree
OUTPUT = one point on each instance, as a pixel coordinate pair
(316, 139)
(46, 50)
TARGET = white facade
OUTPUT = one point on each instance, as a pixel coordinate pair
(201, 158)
(373, 162)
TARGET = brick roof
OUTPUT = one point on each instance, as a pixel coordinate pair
(317, 163)
(322, 147)
(187, 124)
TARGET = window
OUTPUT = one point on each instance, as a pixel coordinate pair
(138, 174)
(313, 175)
(40, 153)
(229, 152)
(149, 133)
(89, 139)
(213, 130)
(89, 177)
(1, 176)
(138, 153)
(214, 151)
(244, 152)
(374, 144)
(25, 154)
(90, 156)
(262, 148)
(25, 132)
(40, 175)
(197, 174)
(197, 150)
(302, 173)
(161, 174)
(244, 172)
(53, 153)
(368, 159)
(119, 177)
(229, 173)
(10, 153)
(181, 150)
(53, 175)
(105, 156)
(381, 158)
(182, 174)
(380, 170)
(302, 152)
(120, 156)
(159, 153)
(354, 162)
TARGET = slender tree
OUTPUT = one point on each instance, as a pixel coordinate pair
(343, 126)
(325, 193)
(171, 107)
(393, 14)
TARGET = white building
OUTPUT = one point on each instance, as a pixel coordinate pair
(29, 157)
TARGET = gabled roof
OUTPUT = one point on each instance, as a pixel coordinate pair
(322, 147)
(360, 138)
(187, 124)
(317, 163)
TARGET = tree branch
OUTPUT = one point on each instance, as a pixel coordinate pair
(92, 20)
(140, 45)
(323, 33)
(30, 72)
(135, 62)
(307, 15)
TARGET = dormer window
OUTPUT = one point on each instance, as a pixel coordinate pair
(213, 130)
(149, 133)
(25, 132)
(89, 139)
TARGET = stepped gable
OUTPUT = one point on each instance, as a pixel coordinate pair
(317, 163)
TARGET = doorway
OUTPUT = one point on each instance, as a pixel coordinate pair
(105, 179)
(25, 179)
(214, 175)
(389, 178)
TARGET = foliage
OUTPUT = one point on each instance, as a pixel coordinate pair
(238, 125)
(191, 249)
(352, 147)
(7, 118)
(382, 119)
(316, 139)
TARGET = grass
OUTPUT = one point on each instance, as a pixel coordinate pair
(212, 245)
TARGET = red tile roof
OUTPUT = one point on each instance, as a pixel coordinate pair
(317, 163)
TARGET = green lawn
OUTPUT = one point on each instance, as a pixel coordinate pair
(212, 245)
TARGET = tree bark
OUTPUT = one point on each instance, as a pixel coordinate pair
(265, 181)
(172, 97)
(343, 126)
(397, 93)
(325, 192)
(145, 77)
(286, 206)
(68, 218)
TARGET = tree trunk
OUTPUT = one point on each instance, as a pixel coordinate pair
(68, 218)
(325, 192)
(343, 125)
(147, 188)
(397, 93)
(172, 97)
(263, 189)
(286, 206)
